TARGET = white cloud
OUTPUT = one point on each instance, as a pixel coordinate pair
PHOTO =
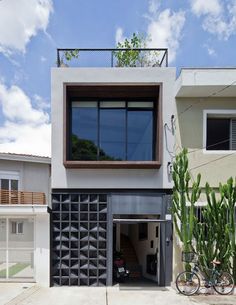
(219, 17)
(119, 35)
(40, 102)
(20, 20)
(26, 129)
(211, 52)
(203, 7)
(165, 30)
(25, 139)
(16, 105)
(153, 6)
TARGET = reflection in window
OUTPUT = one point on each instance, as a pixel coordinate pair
(84, 131)
(112, 134)
(140, 135)
(112, 130)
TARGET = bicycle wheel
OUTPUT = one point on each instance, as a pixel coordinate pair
(187, 283)
(225, 283)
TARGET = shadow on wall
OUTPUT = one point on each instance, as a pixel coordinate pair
(177, 261)
(190, 122)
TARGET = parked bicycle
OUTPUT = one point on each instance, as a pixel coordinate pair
(189, 282)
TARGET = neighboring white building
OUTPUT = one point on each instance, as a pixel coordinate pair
(24, 218)
(206, 102)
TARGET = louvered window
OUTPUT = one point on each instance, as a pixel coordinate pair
(221, 133)
(233, 134)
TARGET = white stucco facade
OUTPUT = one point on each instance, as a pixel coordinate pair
(42, 249)
(33, 173)
(110, 178)
(28, 249)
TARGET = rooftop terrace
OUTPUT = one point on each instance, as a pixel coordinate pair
(118, 57)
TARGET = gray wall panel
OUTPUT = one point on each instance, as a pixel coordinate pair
(136, 204)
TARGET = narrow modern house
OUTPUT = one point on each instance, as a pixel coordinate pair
(112, 144)
(24, 218)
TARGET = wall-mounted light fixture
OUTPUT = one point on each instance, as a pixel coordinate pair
(170, 168)
(172, 124)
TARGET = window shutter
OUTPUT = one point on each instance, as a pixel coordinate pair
(13, 227)
(20, 227)
(233, 134)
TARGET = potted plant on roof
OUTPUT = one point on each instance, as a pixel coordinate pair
(132, 56)
(67, 56)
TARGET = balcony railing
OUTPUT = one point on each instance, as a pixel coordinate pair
(119, 57)
(21, 197)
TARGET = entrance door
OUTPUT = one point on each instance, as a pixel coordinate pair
(143, 236)
(16, 249)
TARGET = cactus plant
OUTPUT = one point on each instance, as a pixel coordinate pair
(228, 192)
(184, 199)
(212, 234)
(215, 236)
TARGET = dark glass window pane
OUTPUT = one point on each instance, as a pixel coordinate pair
(84, 133)
(218, 134)
(5, 184)
(112, 134)
(14, 185)
(140, 135)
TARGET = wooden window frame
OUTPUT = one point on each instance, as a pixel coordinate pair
(116, 91)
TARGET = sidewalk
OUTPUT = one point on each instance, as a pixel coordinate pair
(14, 294)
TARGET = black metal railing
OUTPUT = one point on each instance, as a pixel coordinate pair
(119, 57)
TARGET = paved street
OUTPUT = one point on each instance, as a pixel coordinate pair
(18, 294)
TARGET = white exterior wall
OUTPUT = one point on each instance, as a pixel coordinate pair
(33, 177)
(109, 178)
(42, 250)
(200, 92)
(204, 82)
(38, 242)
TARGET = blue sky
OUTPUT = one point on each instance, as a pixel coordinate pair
(198, 33)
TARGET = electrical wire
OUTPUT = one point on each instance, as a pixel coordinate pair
(204, 98)
(172, 154)
(212, 161)
(211, 145)
(220, 142)
(176, 145)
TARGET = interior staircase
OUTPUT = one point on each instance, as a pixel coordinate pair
(130, 257)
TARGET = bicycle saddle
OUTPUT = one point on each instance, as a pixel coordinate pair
(215, 262)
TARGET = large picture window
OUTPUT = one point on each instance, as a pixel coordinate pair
(112, 130)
